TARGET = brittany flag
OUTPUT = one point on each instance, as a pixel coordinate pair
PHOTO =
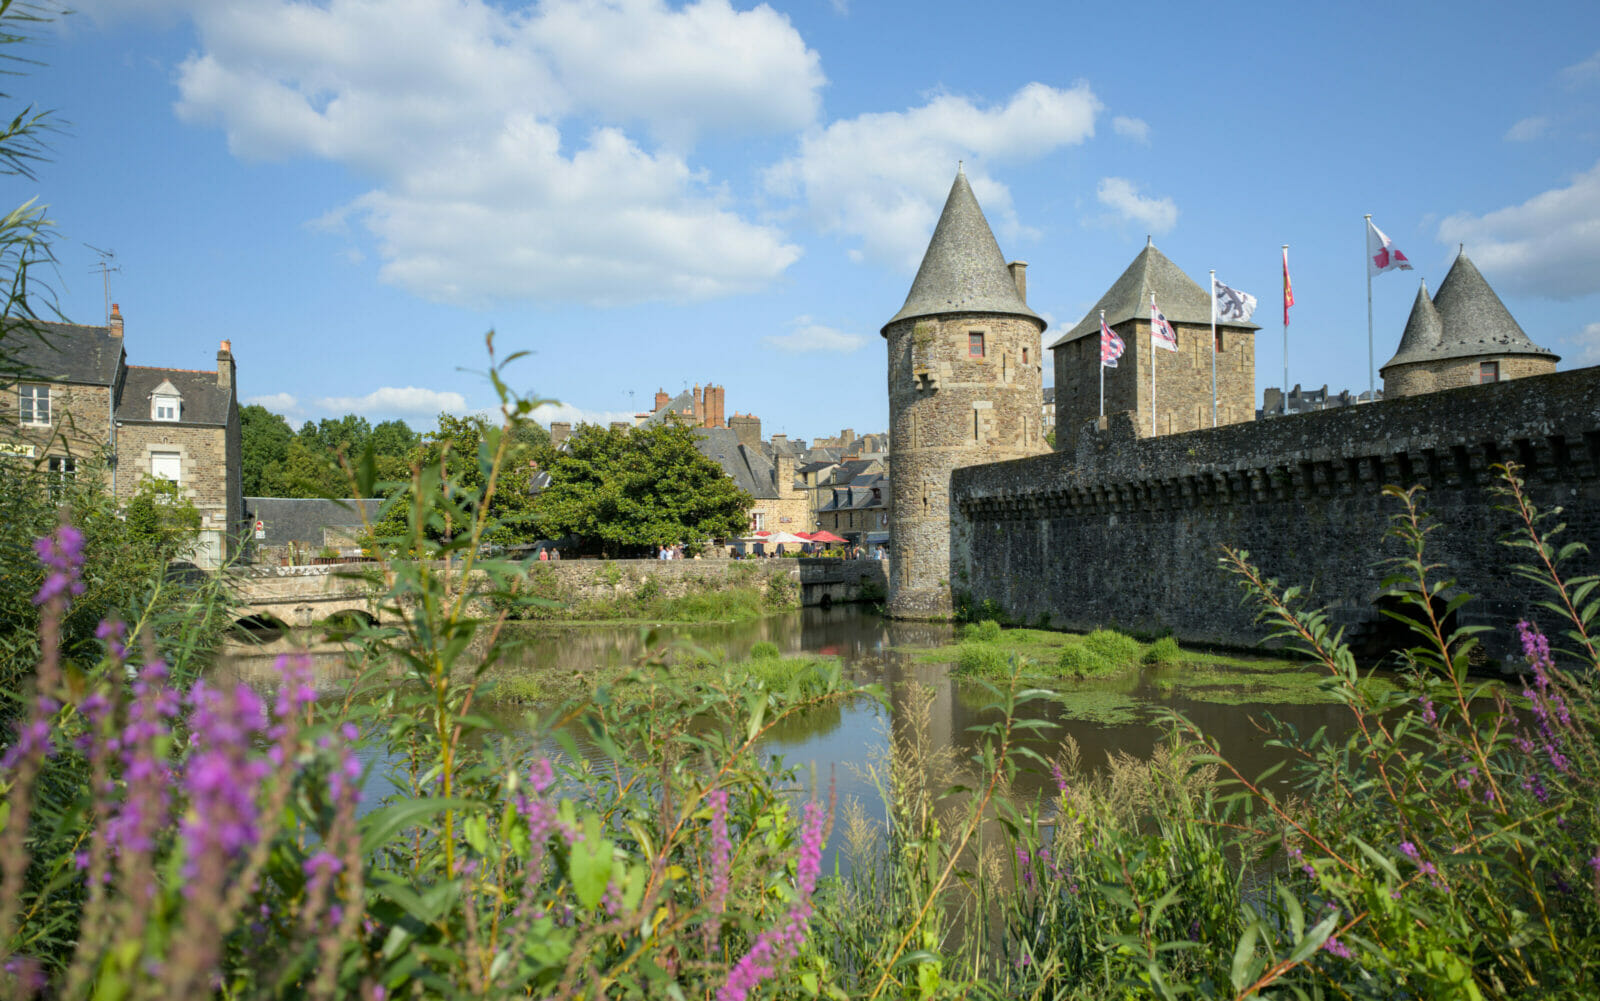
(1111, 346)
(1161, 333)
(1382, 254)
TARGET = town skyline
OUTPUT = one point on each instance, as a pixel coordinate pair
(650, 195)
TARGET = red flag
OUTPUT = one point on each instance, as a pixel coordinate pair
(1288, 290)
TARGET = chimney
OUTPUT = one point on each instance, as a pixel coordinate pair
(747, 429)
(699, 406)
(718, 418)
(662, 399)
(784, 471)
(560, 431)
(780, 444)
(848, 435)
(1019, 274)
(115, 323)
(224, 363)
(621, 426)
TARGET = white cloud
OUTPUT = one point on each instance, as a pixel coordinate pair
(279, 403)
(1581, 73)
(1586, 344)
(881, 178)
(544, 413)
(1157, 214)
(1528, 129)
(1547, 246)
(1136, 129)
(808, 336)
(411, 402)
(495, 137)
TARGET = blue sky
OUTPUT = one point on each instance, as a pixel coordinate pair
(649, 194)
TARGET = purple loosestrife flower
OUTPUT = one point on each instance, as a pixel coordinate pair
(221, 776)
(1060, 779)
(783, 941)
(1429, 716)
(133, 824)
(62, 556)
(1337, 947)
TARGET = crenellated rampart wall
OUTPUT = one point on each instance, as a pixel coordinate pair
(1127, 531)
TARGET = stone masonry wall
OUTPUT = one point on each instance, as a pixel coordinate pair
(203, 476)
(946, 410)
(1429, 377)
(1127, 531)
(78, 423)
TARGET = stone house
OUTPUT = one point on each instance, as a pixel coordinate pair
(1463, 336)
(781, 504)
(858, 511)
(1182, 400)
(85, 402)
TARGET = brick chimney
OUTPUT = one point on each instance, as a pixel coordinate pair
(699, 406)
(719, 415)
(115, 323)
(560, 431)
(224, 364)
(1019, 274)
(662, 399)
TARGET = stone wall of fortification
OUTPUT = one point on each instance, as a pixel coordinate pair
(1126, 531)
(1452, 373)
(948, 409)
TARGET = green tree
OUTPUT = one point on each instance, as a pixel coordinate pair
(464, 448)
(629, 491)
(264, 439)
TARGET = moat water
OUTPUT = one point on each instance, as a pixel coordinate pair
(1103, 718)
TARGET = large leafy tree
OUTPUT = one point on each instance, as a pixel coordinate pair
(463, 448)
(264, 439)
(626, 491)
(280, 462)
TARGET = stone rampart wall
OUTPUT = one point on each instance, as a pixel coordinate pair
(1127, 531)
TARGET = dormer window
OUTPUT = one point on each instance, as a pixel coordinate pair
(165, 402)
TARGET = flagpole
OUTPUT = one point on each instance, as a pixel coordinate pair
(1213, 347)
(1286, 329)
(1102, 364)
(1372, 384)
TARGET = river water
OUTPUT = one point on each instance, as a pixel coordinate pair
(838, 742)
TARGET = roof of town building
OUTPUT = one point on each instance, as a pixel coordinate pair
(1181, 299)
(204, 402)
(750, 468)
(302, 519)
(680, 406)
(65, 352)
(963, 270)
(1464, 319)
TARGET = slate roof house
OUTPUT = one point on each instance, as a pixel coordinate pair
(84, 401)
(1464, 335)
(298, 528)
(780, 503)
(858, 510)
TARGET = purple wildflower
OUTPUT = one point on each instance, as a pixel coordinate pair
(721, 850)
(1429, 716)
(783, 941)
(62, 555)
(220, 777)
(1060, 779)
(1337, 947)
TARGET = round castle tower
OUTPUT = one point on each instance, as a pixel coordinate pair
(964, 389)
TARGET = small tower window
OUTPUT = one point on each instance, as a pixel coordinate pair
(1489, 371)
(975, 344)
(1024, 356)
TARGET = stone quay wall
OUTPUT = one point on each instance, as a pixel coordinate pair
(1126, 531)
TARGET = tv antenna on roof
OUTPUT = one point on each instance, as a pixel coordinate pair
(105, 267)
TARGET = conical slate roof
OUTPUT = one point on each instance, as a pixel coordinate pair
(1180, 298)
(963, 270)
(1472, 319)
(1423, 334)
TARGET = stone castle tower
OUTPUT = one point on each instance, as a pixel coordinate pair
(964, 388)
(1183, 377)
(1463, 336)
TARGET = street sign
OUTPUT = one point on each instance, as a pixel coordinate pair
(12, 448)
(261, 530)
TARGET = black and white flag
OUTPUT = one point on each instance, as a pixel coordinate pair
(1232, 304)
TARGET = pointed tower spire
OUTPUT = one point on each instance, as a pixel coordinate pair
(1424, 331)
(1473, 315)
(963, 270)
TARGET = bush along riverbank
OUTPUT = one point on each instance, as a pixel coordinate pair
(168, 839)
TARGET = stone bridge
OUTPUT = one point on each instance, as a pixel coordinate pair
(306, 596)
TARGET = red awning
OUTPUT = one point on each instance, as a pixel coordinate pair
(826, 536)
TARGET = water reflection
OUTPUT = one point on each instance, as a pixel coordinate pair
(840, 740)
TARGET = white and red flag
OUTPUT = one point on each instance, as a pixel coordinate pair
(1161, 333)
(1111, 346)
(1288, 289)
(1382, 254)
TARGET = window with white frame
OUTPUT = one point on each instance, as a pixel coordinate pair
(166, 466)
(33, 403)
(164, 408)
